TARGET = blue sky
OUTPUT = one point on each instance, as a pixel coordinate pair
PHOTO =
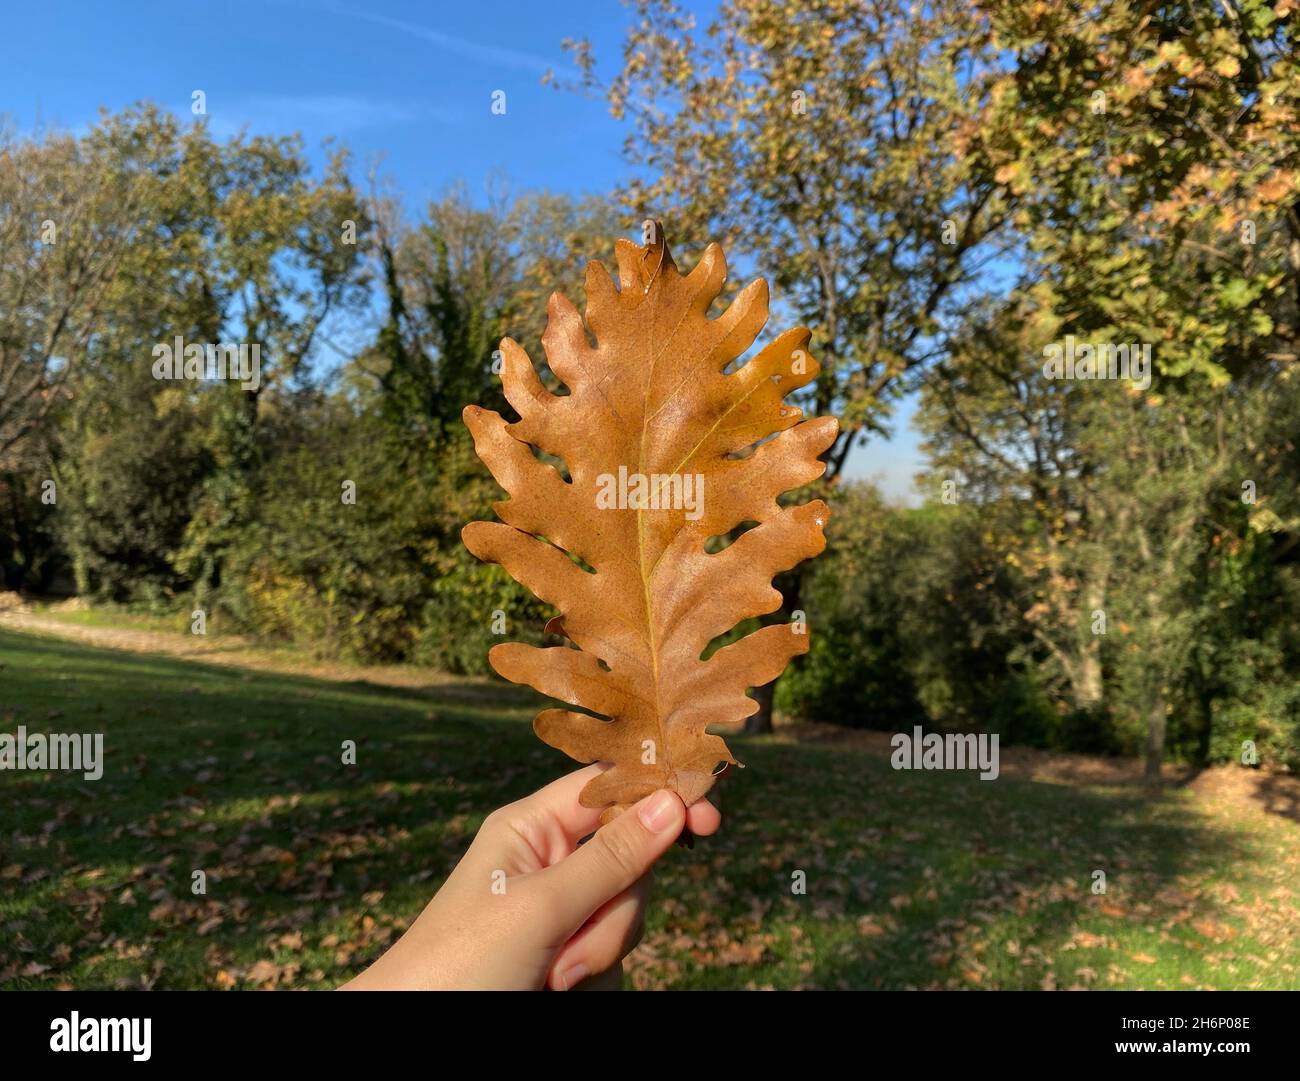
(408, 83)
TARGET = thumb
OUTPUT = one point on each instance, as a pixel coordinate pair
(616, 856)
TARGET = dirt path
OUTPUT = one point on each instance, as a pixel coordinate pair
(232, 650)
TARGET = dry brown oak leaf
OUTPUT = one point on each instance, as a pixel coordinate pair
(652, 397)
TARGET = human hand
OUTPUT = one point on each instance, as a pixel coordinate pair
(528, 907)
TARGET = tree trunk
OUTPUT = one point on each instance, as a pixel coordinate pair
(791, 586)
(1156, 723)
(1087, 677)
(1088, 685)
(1205, 701)
(760, 723)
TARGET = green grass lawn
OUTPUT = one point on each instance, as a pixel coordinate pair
(913, 879)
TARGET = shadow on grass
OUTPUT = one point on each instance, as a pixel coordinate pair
(942, 880)
(1279, 795)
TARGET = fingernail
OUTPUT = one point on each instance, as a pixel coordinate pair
(574, 975)
(659, 811)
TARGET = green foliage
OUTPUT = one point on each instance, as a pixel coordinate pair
(128, 483)
(381, 579)
(892, 577)
(311, 569)
(30, 557)
(230, 497)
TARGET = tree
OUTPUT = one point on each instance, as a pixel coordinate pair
(463, 279)
(1152, 156)
(283, 255)
(1009, 440)
(385, 576)
(68, 214)
(1153, 152)
(164, 233)
(822, 140)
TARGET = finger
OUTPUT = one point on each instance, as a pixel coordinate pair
(605, 939)
(619, 854)
(559, 801)
(703, 819)
(551, 819)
